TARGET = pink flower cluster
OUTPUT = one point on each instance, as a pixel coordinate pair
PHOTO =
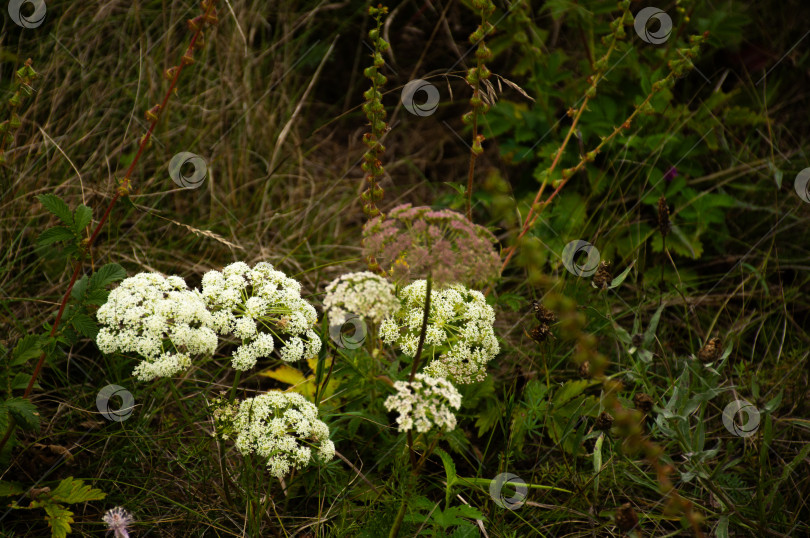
(409, 242)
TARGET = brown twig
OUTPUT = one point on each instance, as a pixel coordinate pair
(196, 24)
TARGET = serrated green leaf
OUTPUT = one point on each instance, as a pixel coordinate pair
(58, 207)
(106, 275)
(55, 235)
(24, 413)
(488, 418)
(84, 325)
(450, 471)
(21, 380)
(59, 519)
(79, 289)
(569, 391)
(73, 490)
(82, 217)
(27, 348)
(96, 297)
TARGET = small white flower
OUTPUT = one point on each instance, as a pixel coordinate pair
(158, 318)
(460, 333)
(280, 427)
(424, 403)
(256, 304)
(364, 294)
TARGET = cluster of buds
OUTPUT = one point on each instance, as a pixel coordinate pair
(480, 72)
(375, 112)
(22, 90)
(681, 65)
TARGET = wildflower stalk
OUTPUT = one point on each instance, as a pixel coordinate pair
(576, 114)
(375, 112)
(678, 68)
(23, 78)
(474, 77)
(196, 25)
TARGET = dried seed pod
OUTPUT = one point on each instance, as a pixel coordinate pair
(626, 518)
(584, 370)
(663, 216)
(604, 421)
(543, 314)
(710, 351)
(541, 333)
(602, 278)
(643, 402)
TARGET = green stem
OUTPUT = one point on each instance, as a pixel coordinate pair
(233, 387)
(398, 521)
(423, 332)
(179, 402)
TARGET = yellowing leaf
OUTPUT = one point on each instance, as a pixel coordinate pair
(285, 374)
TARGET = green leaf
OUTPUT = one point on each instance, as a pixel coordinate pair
(27, 348)
(621, 276)
(82, 218)
(21, 380)
(8, 489)
(570, 390)
(649, 334)
(773, 404)
(450, 471)
(54, 235)
(488, 418)
(23, 412)
(79, 289)
(72, 491)
(106, 275)
(58, 207)
(59, 519)
(721, 531)
(597, 462)
(466, 530)
(84, 325)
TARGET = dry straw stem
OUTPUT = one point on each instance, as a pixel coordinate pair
(196, 24)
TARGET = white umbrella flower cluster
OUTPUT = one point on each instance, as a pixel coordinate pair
(282, 428)
(460, 339)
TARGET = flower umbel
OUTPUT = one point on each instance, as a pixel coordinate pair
(257, 304)
(117, 520)
(158, 318)
(279, 427)
(459, 338)
(365, 294)
(410, 242)
(424, 403)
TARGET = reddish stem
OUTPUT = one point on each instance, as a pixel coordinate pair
(121, 191)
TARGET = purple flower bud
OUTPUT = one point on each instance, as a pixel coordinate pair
(671, 174)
